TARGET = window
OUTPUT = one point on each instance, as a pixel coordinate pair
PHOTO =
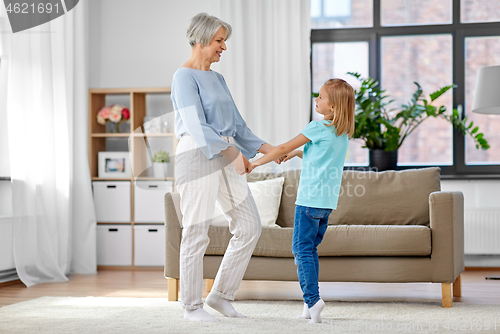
(341, 13)
(425, 59)
(334, 60)
(404, 12)
(480, 52)
(435, 43)
(480, 11)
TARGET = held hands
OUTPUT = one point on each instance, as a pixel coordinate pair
(242, 165)
(296, 153)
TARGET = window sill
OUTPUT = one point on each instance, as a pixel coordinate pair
(5, 178)
(471, 177)
(479, 176)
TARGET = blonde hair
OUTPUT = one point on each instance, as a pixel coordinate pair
(341, 96)
(203, 27)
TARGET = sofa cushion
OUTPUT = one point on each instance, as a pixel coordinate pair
(287, 207)
(368, 198)
(386, 198)
(267, 197)
(339, 240)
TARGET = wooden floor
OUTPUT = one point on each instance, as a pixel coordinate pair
(113, 283)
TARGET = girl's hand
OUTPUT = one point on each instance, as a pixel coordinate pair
(292, 154)
(280, 160)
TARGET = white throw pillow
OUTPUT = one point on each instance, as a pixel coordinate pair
(267, 196)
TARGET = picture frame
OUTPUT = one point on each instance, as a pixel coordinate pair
(114, 165)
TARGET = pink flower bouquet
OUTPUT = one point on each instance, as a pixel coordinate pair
(115, 113)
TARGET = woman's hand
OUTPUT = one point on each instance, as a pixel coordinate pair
(242, 165)
(248, 166)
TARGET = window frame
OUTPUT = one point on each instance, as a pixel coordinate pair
(458, 31)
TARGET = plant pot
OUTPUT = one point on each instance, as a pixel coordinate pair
(160, 169)
(124, 126)
(381, 160)
(111, 127)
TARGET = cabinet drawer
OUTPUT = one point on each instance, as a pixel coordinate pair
(114, 245)
(149, 200)
(149, 245)
(112, 201)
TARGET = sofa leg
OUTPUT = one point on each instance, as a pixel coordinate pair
(446, 292)
(457, 287)
(173, 289)
(210, 284)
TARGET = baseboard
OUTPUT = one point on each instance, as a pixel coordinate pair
(487, 261)
(8, 275)
(16, 281)
(129, 268)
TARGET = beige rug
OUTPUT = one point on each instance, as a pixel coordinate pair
(157, 315)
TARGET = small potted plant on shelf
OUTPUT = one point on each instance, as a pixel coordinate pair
(115, 117)
(384, 131)
(160, 164)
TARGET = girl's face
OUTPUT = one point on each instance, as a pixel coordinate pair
(214, 49)
(323, 105)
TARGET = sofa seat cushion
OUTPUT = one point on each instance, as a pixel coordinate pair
(339, 240)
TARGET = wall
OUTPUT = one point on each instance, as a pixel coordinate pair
(140, 43)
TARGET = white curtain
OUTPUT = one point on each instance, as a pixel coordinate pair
(54, 220)
(267, 66)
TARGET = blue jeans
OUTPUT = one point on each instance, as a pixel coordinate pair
(308, 231)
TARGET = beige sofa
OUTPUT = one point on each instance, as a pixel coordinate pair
(393, 226)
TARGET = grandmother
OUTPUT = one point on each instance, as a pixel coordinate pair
(210, 165)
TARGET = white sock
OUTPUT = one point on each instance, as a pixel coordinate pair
(199, 315)
(315, 311)
(305, 313)
(223, 306)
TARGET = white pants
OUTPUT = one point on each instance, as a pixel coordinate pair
(202, 182)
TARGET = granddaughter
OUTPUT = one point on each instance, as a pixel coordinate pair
(325, 150)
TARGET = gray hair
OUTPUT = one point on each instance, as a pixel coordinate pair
(203, 28)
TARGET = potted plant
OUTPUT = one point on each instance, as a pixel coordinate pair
(384, 131)
(160, 161)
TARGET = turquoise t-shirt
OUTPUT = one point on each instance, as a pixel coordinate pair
(322, 166)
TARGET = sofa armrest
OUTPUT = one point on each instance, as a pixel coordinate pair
(446, 209)
(173, 234)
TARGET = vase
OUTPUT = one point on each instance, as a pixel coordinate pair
(124, 126)
(111, 127)
(381, 160)
(160, 170)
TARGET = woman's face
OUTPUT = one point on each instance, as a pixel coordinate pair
(214, 49)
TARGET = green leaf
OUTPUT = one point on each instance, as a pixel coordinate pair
(383, 128)
(440, 92)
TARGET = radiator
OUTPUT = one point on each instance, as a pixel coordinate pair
(482, 231)
(6, 253)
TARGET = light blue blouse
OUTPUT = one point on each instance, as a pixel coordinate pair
(205, 110)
